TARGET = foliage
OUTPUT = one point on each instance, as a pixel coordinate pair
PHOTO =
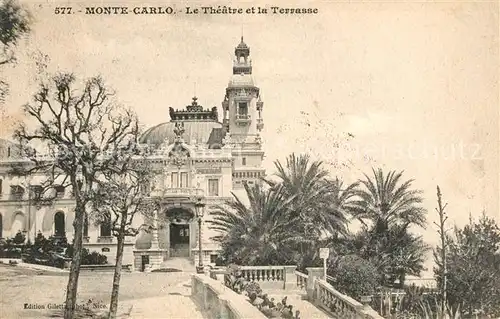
(258, 234)
(354, 276)
(93, 258)
(285, 222)
(384, 203)
(319, 206)
(236, 282)
(15, 23)
(473, 276)
(19, 238)
(387, 207)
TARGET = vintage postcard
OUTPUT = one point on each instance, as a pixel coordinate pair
(249, 159)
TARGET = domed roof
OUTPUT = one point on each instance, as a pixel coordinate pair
(242, 44)
(206, 132)
(241, 80)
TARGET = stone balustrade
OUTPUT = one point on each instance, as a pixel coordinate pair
(301, 280)
(178, 191)
(324, 296)
(218, 301)
(271, 277)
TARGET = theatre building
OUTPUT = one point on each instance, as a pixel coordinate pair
(198, 155)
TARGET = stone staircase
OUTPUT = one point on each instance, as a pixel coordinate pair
(179, 263)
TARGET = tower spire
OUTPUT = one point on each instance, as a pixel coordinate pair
(242, 53)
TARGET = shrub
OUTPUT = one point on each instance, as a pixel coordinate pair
(93, 258)
(354, 276)
(235, 280)
(19, 238)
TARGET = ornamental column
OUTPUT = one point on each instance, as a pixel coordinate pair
(154, 240)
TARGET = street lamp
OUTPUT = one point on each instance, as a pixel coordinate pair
(200, 207)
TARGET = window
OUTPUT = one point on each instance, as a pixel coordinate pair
(86, 227)
(242, 108)
(213, 259)
(59, 224)
(1, 226)
(36, 191)
(105, 228)
(213, 187)
(16, 191)
(59, 191)
(145, 188)
(1, 186)
(175, 180)
(184, 179)
(244, 161)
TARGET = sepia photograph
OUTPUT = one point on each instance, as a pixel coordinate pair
(249, 160)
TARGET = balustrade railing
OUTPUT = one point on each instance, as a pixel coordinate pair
(178, 191)
(266, 273)
(328, 298)
(105, 239)
(339, 304)
(218, 301)
(301, 280)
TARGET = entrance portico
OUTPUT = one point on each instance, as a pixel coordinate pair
(180, 226)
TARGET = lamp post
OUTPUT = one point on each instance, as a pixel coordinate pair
(200, 207)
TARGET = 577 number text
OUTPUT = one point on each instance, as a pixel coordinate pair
(63, 10)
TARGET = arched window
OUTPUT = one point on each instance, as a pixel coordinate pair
(106, 227)
(59, 224)
(86, 227)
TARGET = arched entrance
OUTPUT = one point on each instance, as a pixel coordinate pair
(179, 231)
(59, 225)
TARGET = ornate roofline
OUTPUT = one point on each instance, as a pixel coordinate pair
(194, 112)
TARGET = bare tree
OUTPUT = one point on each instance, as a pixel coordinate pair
(440, 252)
(122, 195)
(85, 134)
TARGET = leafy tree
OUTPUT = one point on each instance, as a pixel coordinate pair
(14, 24)
(354, 276)
(120, 198)
(395, 252)
(473, 268)
(86, 134)
(260, 233)
(386, 201)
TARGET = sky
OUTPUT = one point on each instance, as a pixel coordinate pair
(407, 86)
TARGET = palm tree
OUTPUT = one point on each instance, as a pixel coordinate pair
(320, 206)
(317, 200)
(258, 234)
(387, 201)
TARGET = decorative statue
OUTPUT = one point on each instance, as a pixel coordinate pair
(179, 129)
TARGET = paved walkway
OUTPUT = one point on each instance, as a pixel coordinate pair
(183, 264)
(295, 298)
(33, 266)
(177, 304)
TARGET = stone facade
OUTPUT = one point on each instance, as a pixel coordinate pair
(195, 157)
